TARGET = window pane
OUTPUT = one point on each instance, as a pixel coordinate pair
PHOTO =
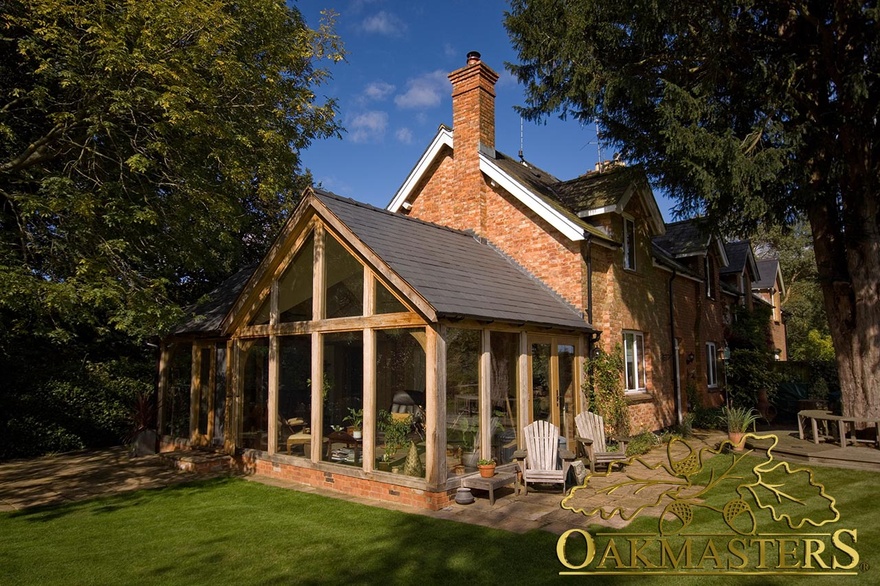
(505, 353)
(385, 301)
(262, 317)
(343, 390)
(220, 394)
(462, 396)
(400, 399)
(565, 357)
(541, 381)
(255, 395)
(176, 402)
(641, 381)
(344, 286)
(295, 286)
(204, 389)
(629, 368)
(294, 395)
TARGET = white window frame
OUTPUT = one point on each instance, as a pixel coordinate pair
(710, 281)
(634, 351)
(711, 365)
(629, 243)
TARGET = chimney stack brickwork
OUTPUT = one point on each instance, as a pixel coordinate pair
(456, 194)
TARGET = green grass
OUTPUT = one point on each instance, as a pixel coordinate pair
(232, 531)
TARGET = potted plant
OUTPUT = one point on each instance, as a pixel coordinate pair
(487, 467)
(356, 418)
(738, 420)
(470, 454)
(395, 432)
(143, 437)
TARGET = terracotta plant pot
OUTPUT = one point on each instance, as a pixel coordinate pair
(737, 440)
(487, 470)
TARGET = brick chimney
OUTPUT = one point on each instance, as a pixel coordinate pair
(473, 128)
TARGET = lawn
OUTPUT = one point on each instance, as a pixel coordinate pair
(232, 531)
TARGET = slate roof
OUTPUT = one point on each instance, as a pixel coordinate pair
(206, 315)
(766, 274)
(598, 190)
(458, 275)
(737, 256)
(684, 238)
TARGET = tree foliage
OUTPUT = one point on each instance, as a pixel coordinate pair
(147, 149)
(747, 111)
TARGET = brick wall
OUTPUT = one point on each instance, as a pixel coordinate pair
(356, 483)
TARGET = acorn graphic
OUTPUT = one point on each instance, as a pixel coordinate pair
(676, 516)
(739, 516)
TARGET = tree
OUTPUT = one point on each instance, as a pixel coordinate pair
(746, 112)
(147, 149)
(806, 322)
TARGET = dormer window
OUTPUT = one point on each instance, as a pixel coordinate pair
(629, 244)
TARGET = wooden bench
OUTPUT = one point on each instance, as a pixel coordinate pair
(843, 422)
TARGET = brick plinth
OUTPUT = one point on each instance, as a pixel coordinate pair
(355, 483)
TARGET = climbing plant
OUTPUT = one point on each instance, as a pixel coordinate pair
(603, 388)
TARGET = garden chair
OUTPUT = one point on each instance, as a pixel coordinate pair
(591, 436)
(542, 462)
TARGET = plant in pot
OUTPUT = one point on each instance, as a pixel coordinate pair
(738, 420)
(143, 437)
(487, 468)
(356, 418)
(468, 430)
(395, 432)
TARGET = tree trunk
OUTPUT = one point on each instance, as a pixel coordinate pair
(847, 250)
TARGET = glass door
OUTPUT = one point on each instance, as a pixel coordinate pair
(555, 380)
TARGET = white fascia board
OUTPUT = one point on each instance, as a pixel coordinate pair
(545, 211)
(443, 138)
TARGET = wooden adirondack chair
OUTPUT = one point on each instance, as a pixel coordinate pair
(542, 463)
(591, 435)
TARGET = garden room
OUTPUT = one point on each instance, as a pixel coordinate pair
(335, 359)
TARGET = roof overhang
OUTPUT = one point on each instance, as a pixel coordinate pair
(441, 140)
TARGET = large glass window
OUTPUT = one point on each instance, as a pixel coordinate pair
(219, 393)
(634, 361)
(294, 395)
(344, 281)
(565, 357)
(505, 354)
(386, 302)
(541, 399)
(204, 389)
(711, 364)
(295, 286)
(255, 394)
(176, 402)
(342, 393)
(400, 400)
(463, 398)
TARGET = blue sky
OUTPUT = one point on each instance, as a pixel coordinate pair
(393, 94)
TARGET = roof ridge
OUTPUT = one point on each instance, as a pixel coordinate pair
(360, 204)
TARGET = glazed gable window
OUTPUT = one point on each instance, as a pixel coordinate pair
(634, 362)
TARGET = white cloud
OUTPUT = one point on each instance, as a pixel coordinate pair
(384, 23)
(378, 90)
(424, 91)
(368, 127)
(404, 135)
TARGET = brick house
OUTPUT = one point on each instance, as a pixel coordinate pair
(470, 304)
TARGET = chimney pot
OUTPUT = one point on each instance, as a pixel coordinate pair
(473, 58)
